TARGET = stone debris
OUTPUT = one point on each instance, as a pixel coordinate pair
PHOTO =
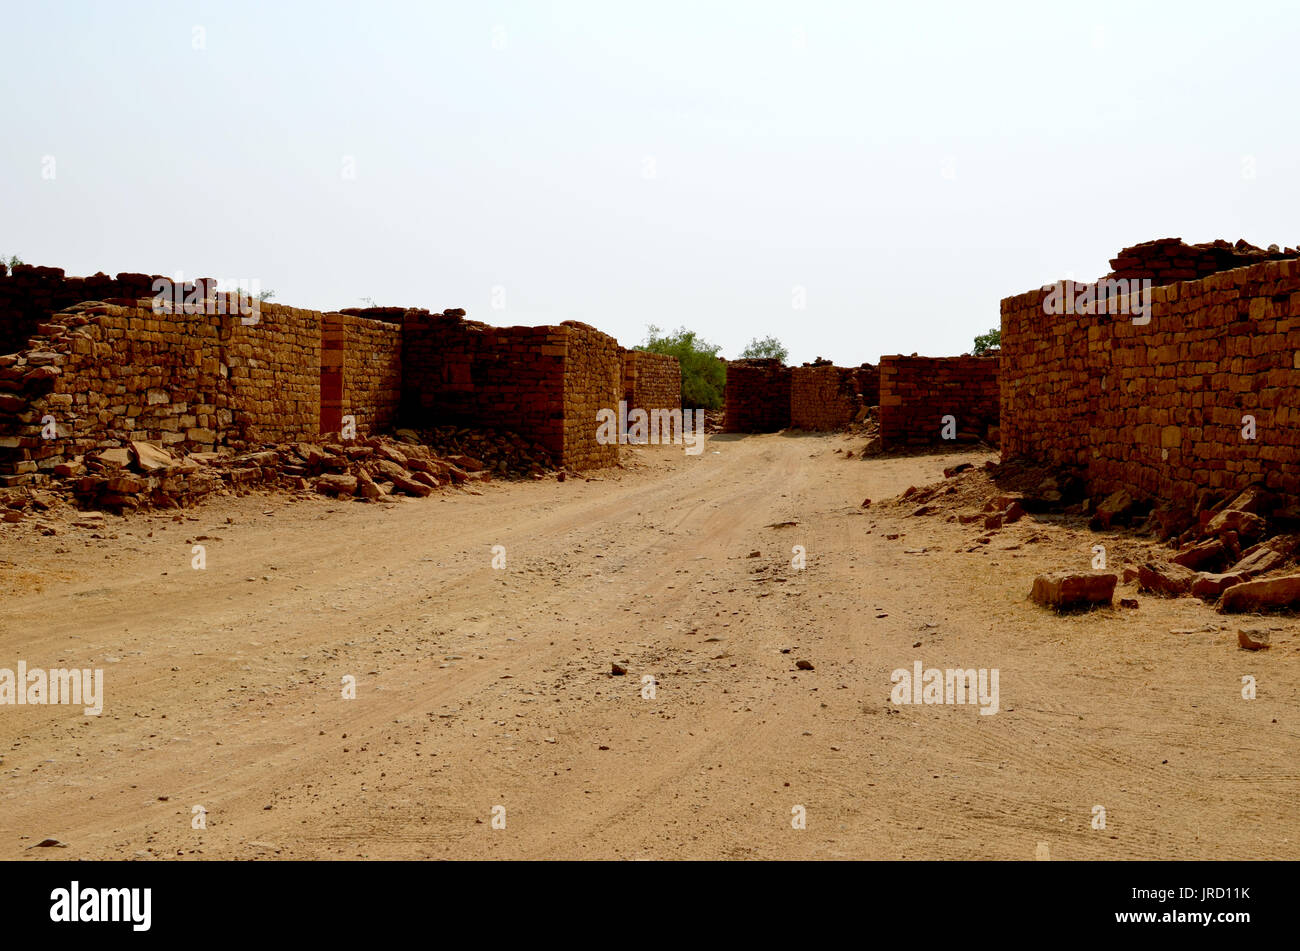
(1253, 639)
(148, 476)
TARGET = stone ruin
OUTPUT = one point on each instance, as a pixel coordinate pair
(913, 394)
(91, 364)
(1182, 419)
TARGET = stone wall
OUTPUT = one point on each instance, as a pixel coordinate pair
(651, 380)
(916, 393)
(371, 373)
(825, 397)
(94, 354)
(29, 295)
(1158, 408)
(537, 381)
(757, 396)
(593, 380)
(111, 373)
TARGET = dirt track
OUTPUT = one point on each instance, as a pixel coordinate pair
(480, 687)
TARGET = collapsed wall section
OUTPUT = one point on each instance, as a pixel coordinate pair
(918, 394)
(1166, 260)
(1202, 397)
(651, 380)
(757, 396)
(30, 294)
(825, 397)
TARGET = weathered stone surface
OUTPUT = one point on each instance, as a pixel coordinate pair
(1071, 589)
(337, 484)
(150, 458)
(1254, 639)
(1169, 581)
(1112, 510)
(1207, 587)
(1247, 525)
(1200, 557)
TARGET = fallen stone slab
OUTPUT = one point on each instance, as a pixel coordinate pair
(151, 458)
(1170, 581)
(1273, 594)
(1064, 590)
(1199, 557)
(337, 484)
(1114, 508)
(1208, 586)
(1246, 524)
(1261, 560)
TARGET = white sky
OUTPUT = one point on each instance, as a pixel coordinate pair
(906, 164)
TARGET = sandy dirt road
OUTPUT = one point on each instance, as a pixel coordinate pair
(480, 687)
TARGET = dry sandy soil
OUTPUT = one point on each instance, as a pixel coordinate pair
(479, 687)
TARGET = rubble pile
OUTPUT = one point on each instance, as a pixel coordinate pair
(507, 455)
(146, 475)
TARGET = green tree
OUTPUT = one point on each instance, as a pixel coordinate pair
(986, 343)
(769, 348)
(704, 376)
(14, 261)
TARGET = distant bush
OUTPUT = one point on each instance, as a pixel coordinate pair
(768, 348)
(987, 343)
(704, 377)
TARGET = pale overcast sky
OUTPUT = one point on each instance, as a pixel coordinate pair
(697, 163)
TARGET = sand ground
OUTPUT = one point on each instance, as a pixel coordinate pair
(480, 688)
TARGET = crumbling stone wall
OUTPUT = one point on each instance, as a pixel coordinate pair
(1158, 408)
(917, 392)
(651, 380)
(30, 294)
(757, 396)
(543, 382)
(110, 369)
(1166, 260)
(825, 397)
(110, 373)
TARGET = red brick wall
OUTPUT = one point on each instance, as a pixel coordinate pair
(537, 381)
(917, 392)
(757, 396)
